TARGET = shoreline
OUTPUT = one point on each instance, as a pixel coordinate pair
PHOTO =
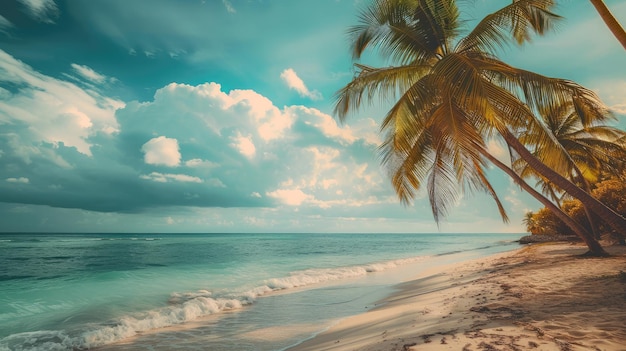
(542, 297)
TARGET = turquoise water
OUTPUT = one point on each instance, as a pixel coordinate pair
(79, 291)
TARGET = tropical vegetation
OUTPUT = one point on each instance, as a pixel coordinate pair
(611, 191)
(451, 95)
(589, 151)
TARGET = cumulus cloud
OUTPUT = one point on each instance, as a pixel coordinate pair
(294, 82)
(242, 139)
(291, 197)
(230, 149)
(244, 145)
(327, 124)
(41, 10)
(161, 151)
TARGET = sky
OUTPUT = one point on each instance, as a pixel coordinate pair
(217, 116)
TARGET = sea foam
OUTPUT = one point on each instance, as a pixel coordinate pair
(184, 307)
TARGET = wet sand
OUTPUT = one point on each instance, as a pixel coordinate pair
(541, 297)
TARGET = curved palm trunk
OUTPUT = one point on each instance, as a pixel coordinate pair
(595, 248)
(592, 223)
(588, 213)
(612, 218)
(610, 21)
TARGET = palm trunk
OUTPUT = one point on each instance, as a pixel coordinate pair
(610, 21)
(588, 213)
(612, 218)
(595, 248)
(592, 223)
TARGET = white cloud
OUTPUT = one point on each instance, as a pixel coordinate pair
(294, 155)
(41, 10)
(89, 73)
(55, 111)
(272, 122)
(164, 178)
(324, 166)
(244, 145)
(294, 82)
(366, 129)
(162, 151)
(22, 180)
(291, 197)
(243, 110)
(229, 6)
(325, 123)
(298, 150)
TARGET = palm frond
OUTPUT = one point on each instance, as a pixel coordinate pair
(439, 21)
(405, 31)
(384, 83)
(544, 94)
(442, 184)
(484, 184)
(408, 166)
(519, 21)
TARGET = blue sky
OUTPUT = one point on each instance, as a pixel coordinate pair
(216, 116)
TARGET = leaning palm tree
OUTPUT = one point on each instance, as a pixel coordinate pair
(589, 150)
(610, 21)
(450, 89)
(595, 249)
(590, 147)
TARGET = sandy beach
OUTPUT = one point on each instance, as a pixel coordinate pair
(541, 297)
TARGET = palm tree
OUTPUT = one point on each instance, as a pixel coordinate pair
(610, 21)
(529, 222)
(452, 92)
(595, 249)
(589, 150)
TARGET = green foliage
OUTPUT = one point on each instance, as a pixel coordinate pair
(611, 191)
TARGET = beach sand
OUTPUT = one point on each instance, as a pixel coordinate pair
(541, 297)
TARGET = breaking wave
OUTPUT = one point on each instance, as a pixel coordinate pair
(184, 307)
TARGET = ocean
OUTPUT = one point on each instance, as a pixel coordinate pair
(205, 291)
